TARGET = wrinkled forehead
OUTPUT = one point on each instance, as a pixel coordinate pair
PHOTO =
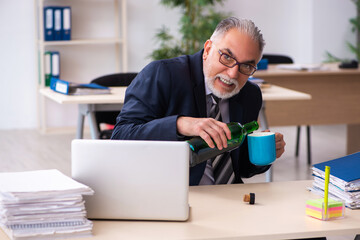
(240, 45)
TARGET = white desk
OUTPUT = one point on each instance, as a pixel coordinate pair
(276, 93)
(114, 101)
(335, 99)
(88, 104)
(218, 212)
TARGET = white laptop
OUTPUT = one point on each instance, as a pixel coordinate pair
(142, 180)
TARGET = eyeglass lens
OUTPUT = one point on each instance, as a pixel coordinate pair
(229, 61)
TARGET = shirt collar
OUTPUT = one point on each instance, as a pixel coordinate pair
(207, 90)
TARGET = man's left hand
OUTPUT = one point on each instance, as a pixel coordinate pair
(279, 143)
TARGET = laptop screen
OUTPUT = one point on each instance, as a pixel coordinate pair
(144, 180)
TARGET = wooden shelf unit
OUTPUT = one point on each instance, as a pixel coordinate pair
(118, 40)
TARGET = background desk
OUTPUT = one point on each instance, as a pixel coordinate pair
(278, 94)
(90, 103)
(218, 212)
(335, 99)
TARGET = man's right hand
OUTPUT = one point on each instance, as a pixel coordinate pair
(209, 129)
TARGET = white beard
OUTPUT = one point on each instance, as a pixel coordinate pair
(210, 84)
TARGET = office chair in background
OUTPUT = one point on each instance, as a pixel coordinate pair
(278, 59)
(109, 117)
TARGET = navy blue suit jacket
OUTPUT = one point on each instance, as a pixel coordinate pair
(167, 89)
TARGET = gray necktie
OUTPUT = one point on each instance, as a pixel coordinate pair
(219, 169)
(215, 110)
(208, 177)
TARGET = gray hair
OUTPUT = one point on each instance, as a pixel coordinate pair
(243, 25)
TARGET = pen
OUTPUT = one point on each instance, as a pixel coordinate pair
(326, 191)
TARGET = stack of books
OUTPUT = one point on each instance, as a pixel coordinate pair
(344, 179)
(44, 204)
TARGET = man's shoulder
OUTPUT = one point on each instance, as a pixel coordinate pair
(251, 88)
(250, 92)
(166, 68)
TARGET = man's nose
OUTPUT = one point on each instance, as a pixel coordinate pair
(233, 72)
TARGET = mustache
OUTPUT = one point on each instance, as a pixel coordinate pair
(225, 77)
(225, 95)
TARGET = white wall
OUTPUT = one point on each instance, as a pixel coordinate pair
(332, 28)
(303, 29)
(17, 65)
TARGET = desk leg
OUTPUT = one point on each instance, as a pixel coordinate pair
(93, 125)
(263, 119)
(264, 126)
(87, 110)
(353, 138)
(80, 125)
(81, 118)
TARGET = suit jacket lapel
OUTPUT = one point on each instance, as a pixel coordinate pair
(197, 75)
(236, 109)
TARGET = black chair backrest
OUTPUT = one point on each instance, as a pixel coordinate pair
(276, 59)
(111, 80)
(115, 80)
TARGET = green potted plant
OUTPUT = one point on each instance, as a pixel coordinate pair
(355, 22)
(197, 23)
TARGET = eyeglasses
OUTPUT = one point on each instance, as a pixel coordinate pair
(231, 62)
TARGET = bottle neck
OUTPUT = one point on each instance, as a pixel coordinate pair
(251, 126)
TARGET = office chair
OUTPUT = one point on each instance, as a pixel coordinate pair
(109, 117)
(278, 59)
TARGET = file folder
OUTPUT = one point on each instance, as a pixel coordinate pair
(345, 171)
(69, 88)
(55, 64)
(66, 23)
(57, 23)
(47, 68)
(48, 24)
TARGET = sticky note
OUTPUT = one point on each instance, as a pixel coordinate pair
(315, 208)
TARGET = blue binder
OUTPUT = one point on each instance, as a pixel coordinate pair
(58, 23)
(69, 88)
(66, 23)
(59, 85)
(345, 168)
(48, 23)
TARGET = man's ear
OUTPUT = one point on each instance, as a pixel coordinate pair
(207, 47)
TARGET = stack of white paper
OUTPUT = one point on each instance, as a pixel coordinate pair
(350, 198)
(344, 179)
(42, 204)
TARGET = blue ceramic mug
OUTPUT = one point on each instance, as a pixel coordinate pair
(262, 148)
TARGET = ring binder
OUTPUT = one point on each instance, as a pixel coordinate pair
(66, 23)
(48, 24)
(344, 179)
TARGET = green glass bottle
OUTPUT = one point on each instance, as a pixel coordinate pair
(202, 152)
